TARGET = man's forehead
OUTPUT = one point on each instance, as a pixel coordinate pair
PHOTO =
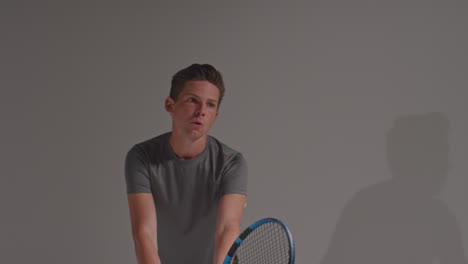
(202, 89)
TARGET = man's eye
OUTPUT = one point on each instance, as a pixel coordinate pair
(211, 105)
(192, 100)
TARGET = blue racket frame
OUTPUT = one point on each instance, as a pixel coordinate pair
(248, 230)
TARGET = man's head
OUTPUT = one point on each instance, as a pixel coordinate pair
(194, 100)
(196, 72)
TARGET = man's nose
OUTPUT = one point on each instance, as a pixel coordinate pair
(201, 110)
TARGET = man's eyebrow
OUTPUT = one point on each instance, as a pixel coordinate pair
(194, 95)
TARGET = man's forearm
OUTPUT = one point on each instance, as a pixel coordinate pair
(146, 251)
(223, 242)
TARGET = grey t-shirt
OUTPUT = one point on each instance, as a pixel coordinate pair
(185, 193)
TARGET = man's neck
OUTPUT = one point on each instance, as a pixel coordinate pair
(186, 148)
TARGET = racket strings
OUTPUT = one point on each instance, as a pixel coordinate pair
(267, 244)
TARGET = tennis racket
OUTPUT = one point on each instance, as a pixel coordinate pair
(267, 241)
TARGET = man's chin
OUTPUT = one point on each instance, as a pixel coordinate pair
(196, 135)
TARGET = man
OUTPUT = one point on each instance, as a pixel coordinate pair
(186, 190)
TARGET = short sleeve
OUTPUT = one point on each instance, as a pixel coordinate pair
(234, 176)
(137, 172)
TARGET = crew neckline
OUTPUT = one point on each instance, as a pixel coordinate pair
(182, 161)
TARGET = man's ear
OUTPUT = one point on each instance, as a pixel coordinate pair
(169, 105)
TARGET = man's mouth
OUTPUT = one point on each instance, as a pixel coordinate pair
(197, 123)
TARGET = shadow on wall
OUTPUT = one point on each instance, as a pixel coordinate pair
(401, 220)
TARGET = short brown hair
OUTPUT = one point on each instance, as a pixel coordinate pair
(197, 72)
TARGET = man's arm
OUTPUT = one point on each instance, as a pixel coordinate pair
(143, 220)
(230, 209)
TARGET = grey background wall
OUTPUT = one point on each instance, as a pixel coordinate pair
(315, 92)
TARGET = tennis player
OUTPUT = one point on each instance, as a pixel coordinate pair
(186, 189)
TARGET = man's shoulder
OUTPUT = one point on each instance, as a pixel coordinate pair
(222, 148)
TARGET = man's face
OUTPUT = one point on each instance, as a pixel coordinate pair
(195, 110)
